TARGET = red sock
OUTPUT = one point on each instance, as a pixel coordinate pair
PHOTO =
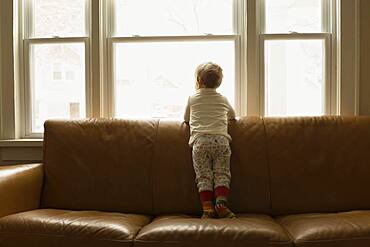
(222, 191)
(221, 194)
(206, 196)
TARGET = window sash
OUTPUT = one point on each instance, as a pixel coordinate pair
(109, 40)
(25, 42)
(27, 94)
(239, 9)
(26, 7)
(326, 13)
(329, 34)
(326, 37)
(116, 40)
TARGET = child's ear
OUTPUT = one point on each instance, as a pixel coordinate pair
(197, 86)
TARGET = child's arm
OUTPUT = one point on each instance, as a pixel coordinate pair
(231, 112)
(187, 112)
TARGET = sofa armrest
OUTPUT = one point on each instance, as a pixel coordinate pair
(20, 188)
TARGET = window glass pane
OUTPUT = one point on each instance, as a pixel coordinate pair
(154, 79)
(64, 18)
(302, 16)
(173, 17)
(294, 74)
(53, 94)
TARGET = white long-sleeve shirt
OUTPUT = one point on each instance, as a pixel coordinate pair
(208, 113)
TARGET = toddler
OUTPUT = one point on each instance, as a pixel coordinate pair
(208, 113)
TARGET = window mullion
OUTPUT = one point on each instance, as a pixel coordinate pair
(325, 13)
(335, 77)
(241, 58)
(88, 80)
(88, 19)
(261, 15)
(104, 34)
(329, 86)
(27, 92)
(111, 18)
(110, 94)
(28, 13)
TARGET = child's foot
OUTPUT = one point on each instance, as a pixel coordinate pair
(209, 215)
(222, 210)
(208, 210)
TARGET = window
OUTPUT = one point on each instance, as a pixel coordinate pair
(154, 51)
(136, 58)
(56, 43)
(296, 46)
(57, 72)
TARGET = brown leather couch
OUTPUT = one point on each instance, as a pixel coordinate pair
(295, 182)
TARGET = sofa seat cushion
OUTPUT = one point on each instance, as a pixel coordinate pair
(181, 230)
(49, 227)
(344, 229)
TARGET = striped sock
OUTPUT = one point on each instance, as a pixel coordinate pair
(221, 208)
(206, 197)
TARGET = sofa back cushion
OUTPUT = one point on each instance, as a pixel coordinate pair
(99, 165)
(174, 188)
(278, 165)
(319, 164)
(145, 167)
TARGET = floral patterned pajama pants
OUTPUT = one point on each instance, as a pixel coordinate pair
(211, 161)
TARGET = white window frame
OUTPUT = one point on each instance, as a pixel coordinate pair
(328, 35)
(344, 71)
(108, 36)
(25, 43)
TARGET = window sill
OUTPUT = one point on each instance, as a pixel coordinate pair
(22, 143)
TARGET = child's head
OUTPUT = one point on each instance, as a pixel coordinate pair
(209, 75)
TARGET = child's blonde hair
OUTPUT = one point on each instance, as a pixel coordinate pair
(209, 74)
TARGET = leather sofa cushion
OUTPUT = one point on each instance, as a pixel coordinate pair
(313, 162)
(345, 229)
(52, 228)
(98, 164)
(174, 188)
(182, 230)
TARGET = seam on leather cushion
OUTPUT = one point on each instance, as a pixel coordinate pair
(207, 241)
(65, 236)
(331, 240)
